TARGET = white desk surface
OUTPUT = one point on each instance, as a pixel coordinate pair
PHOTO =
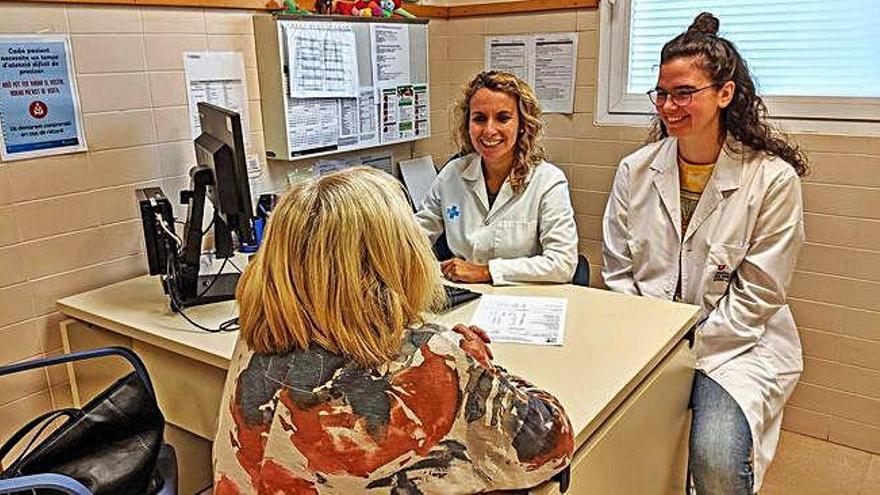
(612, 341)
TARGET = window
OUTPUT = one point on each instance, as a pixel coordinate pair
(812, 60)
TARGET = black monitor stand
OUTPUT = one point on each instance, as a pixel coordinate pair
(184, 284)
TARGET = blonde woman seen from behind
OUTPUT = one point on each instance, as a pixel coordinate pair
(337, 385)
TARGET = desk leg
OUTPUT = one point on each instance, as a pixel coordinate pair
(642, 448)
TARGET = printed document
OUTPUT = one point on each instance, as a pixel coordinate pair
(525, 320)
(322, 60)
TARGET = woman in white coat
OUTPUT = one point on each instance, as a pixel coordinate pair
(710, 213)
(505, 210)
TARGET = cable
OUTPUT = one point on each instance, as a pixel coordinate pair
(230, 325)
(234, 265)
(214, 279)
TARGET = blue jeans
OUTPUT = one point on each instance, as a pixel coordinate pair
(721, 442)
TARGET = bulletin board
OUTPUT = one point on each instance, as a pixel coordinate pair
(331, 84)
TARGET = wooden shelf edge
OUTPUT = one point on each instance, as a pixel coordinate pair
(519, 7)
(426, 11)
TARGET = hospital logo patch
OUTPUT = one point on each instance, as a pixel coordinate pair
(722, 274)
(453, 212)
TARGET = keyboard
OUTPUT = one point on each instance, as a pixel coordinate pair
(455, 296)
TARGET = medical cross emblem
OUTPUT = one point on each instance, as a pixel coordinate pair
(452, 212)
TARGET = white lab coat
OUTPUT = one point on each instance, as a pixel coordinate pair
(526, 237)
(736, 261)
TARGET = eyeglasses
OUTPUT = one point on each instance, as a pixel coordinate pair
(681, 98)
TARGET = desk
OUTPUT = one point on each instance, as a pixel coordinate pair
(623, 375)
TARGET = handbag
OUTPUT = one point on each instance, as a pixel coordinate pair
(110, 445)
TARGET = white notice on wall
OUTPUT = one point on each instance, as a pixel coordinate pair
(555, 58)
(510, 54)
(546, 61)
(217, 78)
(383, 161)
(313, 124)
(323, 61)
(390, 54)
(526, 320)
(367, 115)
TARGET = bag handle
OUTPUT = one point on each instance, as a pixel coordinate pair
(127, 354)
(47, 419)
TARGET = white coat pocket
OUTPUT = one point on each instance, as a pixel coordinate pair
(516, 238)
(721, 265)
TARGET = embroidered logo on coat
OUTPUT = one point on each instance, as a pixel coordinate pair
(453, 212)
(722, 274)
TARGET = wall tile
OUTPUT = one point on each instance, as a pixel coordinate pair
(121, 240)
(62, 253)
(235, 43)
(229, 22)
(806, 422)
(859, 435)
(108, 53)
(49, 332)
(835, 260)
(858, 233)
(595, 152)
(103, 19)
(5, 189)
(558, 150)
(438, 74)
(106, 92)
(585, 102)
(467, 47)
(589, 202)
(49, 289)
(438, 47)
(860, 352)
(586, 72)
(9, 231)
(176, 158)
(57, 215)
(839, 376)
(468, 25)
(173, 20)
(16, 414)
(558, 125)
(835, 290)
(119, 129)
(19, 342)
(16, 304)
(125, 166)
(589, 227)
(587, 20)
(117, 204)
(550, 22)
(588, 44)
(592, 177)
(165, 51)
(19, 17)
(11, 269)
(172, 124)
(168, 89)
(45, 177)
(813, 143)
(844, 169)
(820, 344)
(23, 384)
(463, 71)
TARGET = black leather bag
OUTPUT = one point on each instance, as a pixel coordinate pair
(110, 445)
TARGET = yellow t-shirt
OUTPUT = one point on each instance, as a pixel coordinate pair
(692, 181)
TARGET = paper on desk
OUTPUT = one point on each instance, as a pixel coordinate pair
(525, 320)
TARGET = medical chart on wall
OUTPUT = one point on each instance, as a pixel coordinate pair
(548, 61)
(218, 78)
(39, 104)
(323, 62)
(351, 85)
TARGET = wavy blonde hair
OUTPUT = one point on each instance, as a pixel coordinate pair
(528, 151)
(343, 266)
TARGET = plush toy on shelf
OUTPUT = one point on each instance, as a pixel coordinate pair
(372, 8)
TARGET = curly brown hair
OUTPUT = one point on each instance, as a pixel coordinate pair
(528, 151)
(745, 118)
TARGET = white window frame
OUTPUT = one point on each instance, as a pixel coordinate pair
(614, 106)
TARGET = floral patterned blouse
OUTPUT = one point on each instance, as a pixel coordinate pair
(434, 420)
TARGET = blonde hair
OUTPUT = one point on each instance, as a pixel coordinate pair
(344, 266)
(529, 151)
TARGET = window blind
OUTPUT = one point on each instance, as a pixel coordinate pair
(793, 47)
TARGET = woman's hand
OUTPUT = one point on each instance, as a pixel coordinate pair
(475, 342)
(459, 270)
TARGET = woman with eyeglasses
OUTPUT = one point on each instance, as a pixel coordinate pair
(710, 213)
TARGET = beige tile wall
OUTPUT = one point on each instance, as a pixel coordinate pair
(70, 223)
(836, 289)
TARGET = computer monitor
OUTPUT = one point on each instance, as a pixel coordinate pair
(220, 148)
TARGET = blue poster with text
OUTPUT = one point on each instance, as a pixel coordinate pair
(38, 110)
